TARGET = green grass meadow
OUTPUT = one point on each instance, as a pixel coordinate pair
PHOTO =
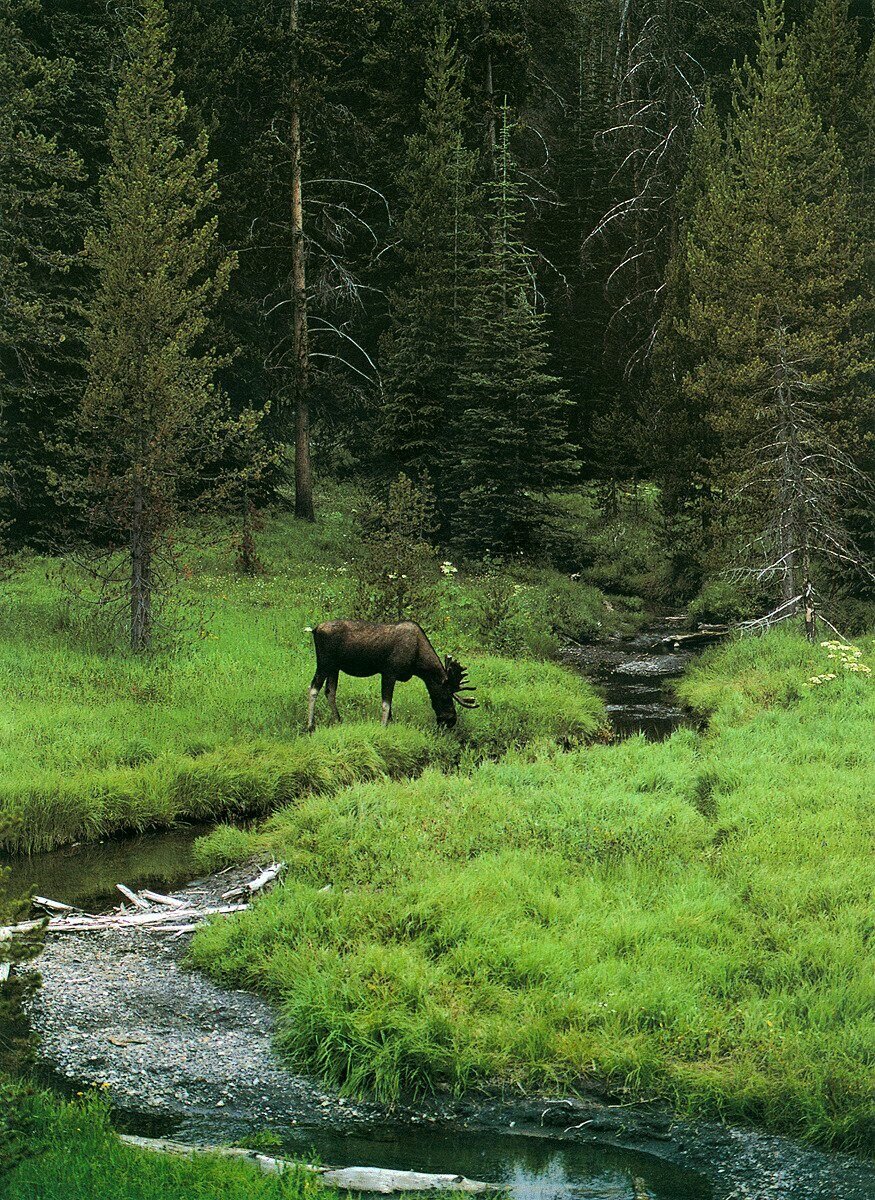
(688, 919)
(55, 1150)
(95, 741)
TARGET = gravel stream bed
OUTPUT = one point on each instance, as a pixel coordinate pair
(180, 1055)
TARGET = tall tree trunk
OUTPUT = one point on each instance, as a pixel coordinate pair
(489, 88)
(300, 338)
(789, 480)
(141, 575)
(808, 598)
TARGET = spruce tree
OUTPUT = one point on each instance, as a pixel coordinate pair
(829, 54)
(153, 426)
(512, 445)
(38, 234)
(680, 440)
(776, 298)
(422, 349)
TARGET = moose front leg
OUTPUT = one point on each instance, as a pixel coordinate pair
(331, 694)
(315, 688)
(388, 688)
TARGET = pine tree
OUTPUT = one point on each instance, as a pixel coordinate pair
(38, 230)
(774, 266)
(422, 350)
(153, 425)
(829, 57)
(680, 439)
(512, 445)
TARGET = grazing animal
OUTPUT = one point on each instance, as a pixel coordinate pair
(395, 652)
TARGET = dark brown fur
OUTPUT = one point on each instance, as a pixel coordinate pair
(396, 653)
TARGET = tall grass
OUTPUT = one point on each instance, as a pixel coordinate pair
(94, 740)
(687, 919)
(68, 1151)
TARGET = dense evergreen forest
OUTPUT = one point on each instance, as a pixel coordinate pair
(506, 247)
(546, 325)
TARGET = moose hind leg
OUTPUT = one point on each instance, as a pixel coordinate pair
(331, 695)
(315, 687)
(387, 690)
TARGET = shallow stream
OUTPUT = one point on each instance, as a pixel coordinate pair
(635, 677)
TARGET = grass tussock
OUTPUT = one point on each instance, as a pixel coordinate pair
(68, 1151)
(94, 741)
(687, 919)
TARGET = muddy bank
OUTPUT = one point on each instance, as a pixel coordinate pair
(178, 1054)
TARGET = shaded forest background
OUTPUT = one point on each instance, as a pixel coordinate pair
(507, 247)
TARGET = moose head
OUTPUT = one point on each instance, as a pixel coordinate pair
(445, 698)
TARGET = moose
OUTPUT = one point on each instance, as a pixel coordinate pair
(395, 652)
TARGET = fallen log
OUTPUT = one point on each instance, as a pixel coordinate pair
(157, 898)
(268, 875)
(156, 921)
(51, 905)
(8, 932)
(700, 636)
(132, 896)
(351, 1179)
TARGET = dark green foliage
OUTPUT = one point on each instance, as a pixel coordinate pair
(40, 228)
(421, 351)
(152, 428)
(512, 441)
(830, 61)
(396, 566)
(772, 350)
(413, 363)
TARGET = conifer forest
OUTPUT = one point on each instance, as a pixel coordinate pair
(520, 349)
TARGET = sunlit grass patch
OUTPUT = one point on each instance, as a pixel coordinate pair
(68, 1151)
(94, 741)
(686, 919)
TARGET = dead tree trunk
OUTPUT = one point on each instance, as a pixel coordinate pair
(300, 333)
(141, 574)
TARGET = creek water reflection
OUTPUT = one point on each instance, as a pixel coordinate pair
(86, 876)
(530, 1168)
(634, 676)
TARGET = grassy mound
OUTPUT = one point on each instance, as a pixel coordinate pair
(94, 741)
(58, 1151)
(687, 919)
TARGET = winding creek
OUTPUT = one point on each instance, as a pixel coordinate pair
(185, 1058)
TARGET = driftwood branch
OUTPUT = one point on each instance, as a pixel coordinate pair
(51, 905)
(136, 900)
(350, 1179)
(152, 911)
(268, 875)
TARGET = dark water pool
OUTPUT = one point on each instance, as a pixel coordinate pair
(86, 876)
(529, 1168)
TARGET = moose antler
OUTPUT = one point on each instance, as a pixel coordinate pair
(456, 677)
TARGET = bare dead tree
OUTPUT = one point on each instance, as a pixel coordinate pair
(796, 487)
(656, 90)
(301, 352)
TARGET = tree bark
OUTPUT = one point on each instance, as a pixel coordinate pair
(141, 575)
(300, 333)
